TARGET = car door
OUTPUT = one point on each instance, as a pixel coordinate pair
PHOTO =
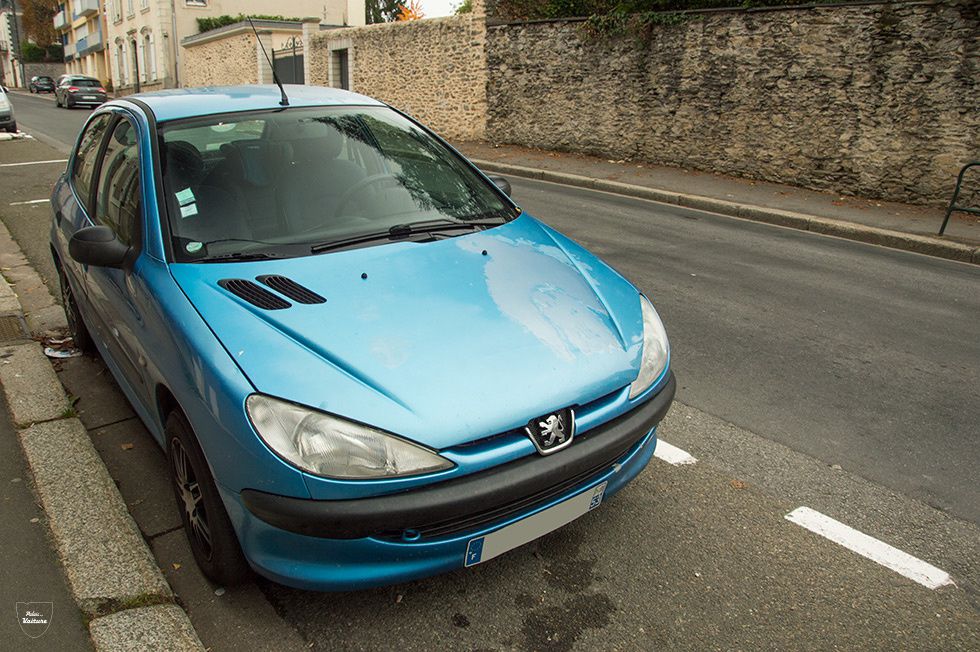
(118, 295)
(75, 205)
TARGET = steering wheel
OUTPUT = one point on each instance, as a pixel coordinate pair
(360, 186)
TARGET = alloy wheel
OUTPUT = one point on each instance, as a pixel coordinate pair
(192, 500)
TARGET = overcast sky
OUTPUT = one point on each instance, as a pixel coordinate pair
(436, 8)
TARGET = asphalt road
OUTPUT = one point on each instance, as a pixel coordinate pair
(38, 116)
(813, 371)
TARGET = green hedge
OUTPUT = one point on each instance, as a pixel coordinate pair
(208, 24)
(33, 53)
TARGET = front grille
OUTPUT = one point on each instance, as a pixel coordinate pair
(487, 517)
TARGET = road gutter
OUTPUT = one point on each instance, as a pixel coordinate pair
(111, 572)
(930, 246)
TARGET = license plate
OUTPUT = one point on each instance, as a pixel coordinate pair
(487, 547)
(89, 97)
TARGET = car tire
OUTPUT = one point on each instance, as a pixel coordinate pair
(76, 325)
(12, 128)
(209, 531)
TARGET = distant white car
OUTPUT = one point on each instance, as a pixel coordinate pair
(7, 120)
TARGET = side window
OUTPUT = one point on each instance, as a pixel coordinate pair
(86, 157)
(117, 201)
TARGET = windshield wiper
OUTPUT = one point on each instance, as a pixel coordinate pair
(396, 232)
(238, 256)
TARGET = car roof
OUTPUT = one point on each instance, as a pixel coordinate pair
(177, 103)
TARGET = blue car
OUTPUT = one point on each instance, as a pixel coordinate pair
(366, 364)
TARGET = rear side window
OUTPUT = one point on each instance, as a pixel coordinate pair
(118, 198)
(86, 159)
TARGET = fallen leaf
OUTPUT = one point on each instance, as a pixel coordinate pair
(176, 566)
(739, 484)
(127, 447)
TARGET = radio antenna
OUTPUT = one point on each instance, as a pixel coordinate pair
(285, 100)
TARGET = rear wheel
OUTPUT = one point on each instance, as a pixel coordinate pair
(12, 128)
(206, 524)
(76, 325)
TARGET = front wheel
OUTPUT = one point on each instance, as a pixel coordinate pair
(76, 325)
(206, 524)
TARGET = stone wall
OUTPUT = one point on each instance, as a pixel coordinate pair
(221, 62)
(875, 100)
(52, 70)
(434, 70)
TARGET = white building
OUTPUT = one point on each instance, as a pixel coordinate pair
(9, 70)
(144, 36)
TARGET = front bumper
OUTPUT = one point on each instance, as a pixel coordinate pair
(354, 544)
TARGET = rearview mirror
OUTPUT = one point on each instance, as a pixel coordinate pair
(97, 245)
(501, 183)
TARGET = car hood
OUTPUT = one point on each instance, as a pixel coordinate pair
(442, 342)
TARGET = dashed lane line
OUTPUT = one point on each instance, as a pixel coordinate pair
(672, 454)
(11, 165)
(877, 551)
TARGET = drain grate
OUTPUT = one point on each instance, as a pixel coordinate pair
(12, 328)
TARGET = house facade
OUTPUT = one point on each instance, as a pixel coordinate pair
(143, 36)
(80, 26)
(10, 71)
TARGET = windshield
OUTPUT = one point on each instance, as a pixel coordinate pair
(86, 83)
(303, 181)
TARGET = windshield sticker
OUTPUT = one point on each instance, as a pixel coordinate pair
(188, 211)
(185, 196)
(194, 247)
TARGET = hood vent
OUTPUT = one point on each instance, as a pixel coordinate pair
(253, 293)
(290, 288)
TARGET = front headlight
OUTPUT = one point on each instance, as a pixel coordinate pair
(656, 349)
(336, 448)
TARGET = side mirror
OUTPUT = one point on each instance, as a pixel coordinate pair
(501, 183)
(97, 245)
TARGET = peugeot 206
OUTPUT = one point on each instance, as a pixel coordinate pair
(365, 363)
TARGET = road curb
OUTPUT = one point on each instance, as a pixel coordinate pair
(111, 572)
(930, 246)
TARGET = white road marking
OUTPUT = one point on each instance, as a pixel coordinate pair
(11, 165)
(672, 454)
(33, 201)
(877, 551)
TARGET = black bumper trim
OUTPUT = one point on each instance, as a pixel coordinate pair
(462, 497)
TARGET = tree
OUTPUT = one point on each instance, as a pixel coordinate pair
(37, 19)
(411, 11)
(382, 11)
(464, 7)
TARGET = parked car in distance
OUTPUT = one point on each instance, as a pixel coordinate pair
(78, 90)
(365, 363)
(7, 120)
(41, 84)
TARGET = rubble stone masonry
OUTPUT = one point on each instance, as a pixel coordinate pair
(434, 70)
(879, 100)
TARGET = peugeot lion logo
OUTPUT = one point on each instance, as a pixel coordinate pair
(552, 432)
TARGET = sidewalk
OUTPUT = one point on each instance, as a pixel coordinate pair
(853, 217)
